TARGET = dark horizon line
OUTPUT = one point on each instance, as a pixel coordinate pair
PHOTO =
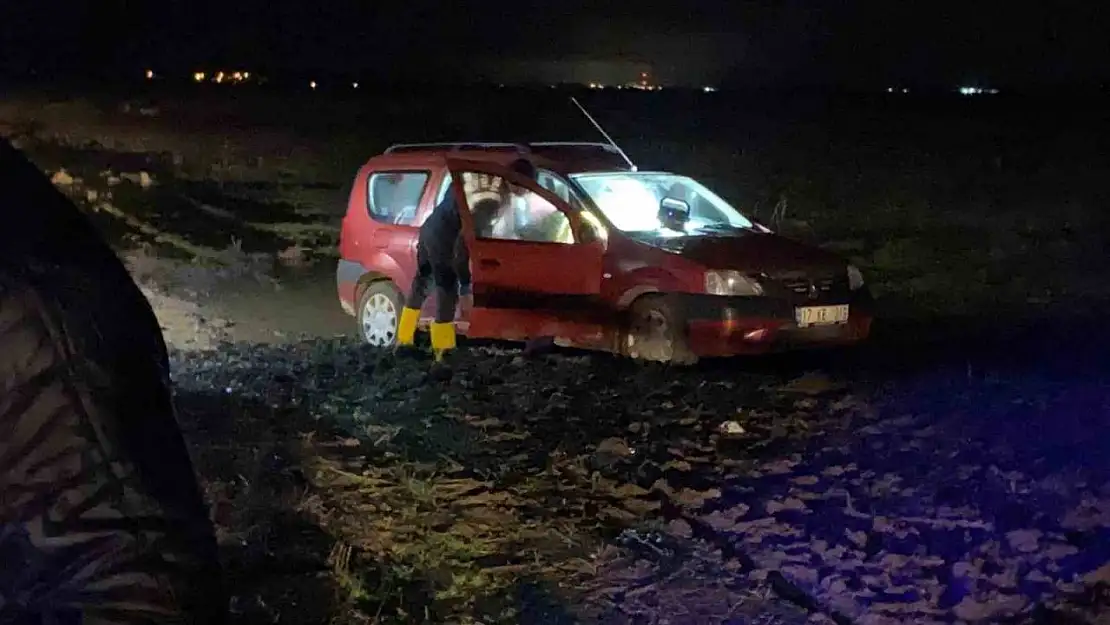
(344, 81)
(452, 74)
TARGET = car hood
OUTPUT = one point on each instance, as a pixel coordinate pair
(748, 251)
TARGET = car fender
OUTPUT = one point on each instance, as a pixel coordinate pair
(644, 281)
(353, 277)
(385, 268)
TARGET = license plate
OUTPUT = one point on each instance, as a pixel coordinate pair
(821, 315)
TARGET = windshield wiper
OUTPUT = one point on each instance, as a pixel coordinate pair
(723, 227)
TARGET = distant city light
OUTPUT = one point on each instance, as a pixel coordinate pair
(221, 77)
(643, 83)
(149, 74)
(312, 85)
(977, 91)
(354, 85)
(709, 89)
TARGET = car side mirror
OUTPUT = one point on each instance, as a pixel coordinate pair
(674, 213)
(760, 226)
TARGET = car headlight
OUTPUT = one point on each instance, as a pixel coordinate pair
(731, 283)
(855, 278)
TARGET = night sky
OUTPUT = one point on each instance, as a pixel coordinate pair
(865, 43)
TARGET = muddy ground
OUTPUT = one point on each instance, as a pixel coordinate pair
(876, 486)
(951, 470)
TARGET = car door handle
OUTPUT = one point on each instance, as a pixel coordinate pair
(490, 263)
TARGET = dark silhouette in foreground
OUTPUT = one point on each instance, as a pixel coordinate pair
(101, 518)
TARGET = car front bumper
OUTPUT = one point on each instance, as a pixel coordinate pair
(731, 326)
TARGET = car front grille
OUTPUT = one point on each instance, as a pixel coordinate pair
(800, 287)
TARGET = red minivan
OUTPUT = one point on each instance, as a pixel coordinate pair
(594, 253)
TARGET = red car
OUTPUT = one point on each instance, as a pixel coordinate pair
(600, 256)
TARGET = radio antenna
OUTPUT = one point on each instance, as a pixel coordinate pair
(603, 133)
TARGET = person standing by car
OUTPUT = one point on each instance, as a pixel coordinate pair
(443, 262)
(101, 517)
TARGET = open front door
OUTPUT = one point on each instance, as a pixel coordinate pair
(536, 264)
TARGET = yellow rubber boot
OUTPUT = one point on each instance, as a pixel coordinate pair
(406, 326)
(443, 339)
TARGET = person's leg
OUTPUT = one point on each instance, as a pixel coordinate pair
(447, 298)
(410, 314)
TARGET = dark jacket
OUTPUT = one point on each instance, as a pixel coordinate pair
(442, 242)
(101, 514)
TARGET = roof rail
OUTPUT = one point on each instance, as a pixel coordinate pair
(523, 148)
(608, 147)
(454, 147)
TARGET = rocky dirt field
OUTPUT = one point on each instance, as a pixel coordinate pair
(952, 471)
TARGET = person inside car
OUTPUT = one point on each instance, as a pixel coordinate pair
(443, 263)
(505, 221)
(101, 519)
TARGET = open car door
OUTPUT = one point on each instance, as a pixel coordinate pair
(536, 264)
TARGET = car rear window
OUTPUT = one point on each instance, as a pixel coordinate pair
(393, 197)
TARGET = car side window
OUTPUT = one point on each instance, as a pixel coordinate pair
(444, 187)
(504, 211)
(393, 197)
(554, 183)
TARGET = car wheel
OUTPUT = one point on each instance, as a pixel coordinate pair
(656, 332)
(379, 309)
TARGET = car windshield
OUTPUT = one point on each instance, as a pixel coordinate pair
(630, 201)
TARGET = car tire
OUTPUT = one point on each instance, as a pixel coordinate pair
(379, 310)
(656, 331)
